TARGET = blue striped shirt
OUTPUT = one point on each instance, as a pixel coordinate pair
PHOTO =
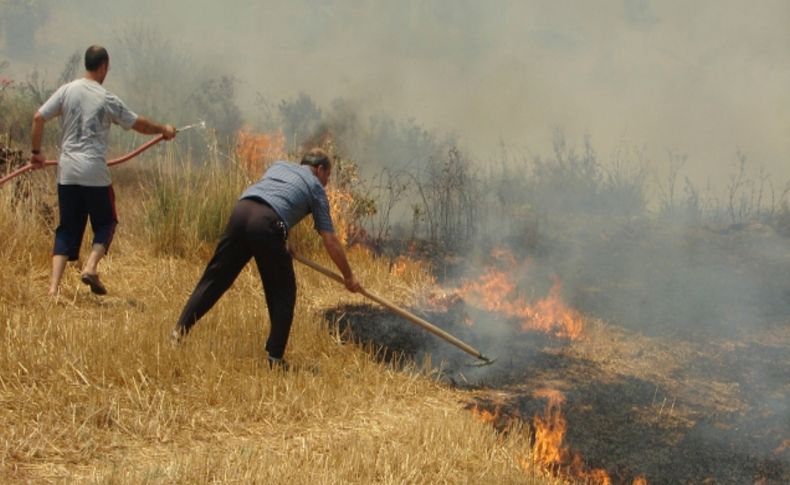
(293, 191)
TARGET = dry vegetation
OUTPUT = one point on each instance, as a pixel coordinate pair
(91, 391)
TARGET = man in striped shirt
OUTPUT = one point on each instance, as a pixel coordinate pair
(258, 228)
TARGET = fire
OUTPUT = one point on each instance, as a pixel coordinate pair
(437, 299)
(549, 429)
(341, 205)
(551, 313)
(256, 151)
(398, 267)
(485, 415)
(491, 292)
(548, 450)
(496, 291)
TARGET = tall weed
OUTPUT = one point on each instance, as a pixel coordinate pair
(188, 205)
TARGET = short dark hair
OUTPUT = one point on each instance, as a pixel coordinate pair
(316, 158)
(95, 57)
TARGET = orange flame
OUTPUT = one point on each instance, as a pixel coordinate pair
(341, 204)
(548, 449)
(550, 429)
(551, 313)
(496, 291)
(398, 267)
(437, 299)
(256, 151)
(485, 415)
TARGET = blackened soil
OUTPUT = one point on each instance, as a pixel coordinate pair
(635, 405)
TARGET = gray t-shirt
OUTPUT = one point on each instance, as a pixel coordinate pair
(86, 110)
(293, 192)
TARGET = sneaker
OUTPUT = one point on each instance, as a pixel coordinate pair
(92, 280)
(177, 336)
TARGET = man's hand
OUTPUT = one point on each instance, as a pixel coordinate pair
(37, 160)
(147, 127)
(169, 132)
(338, 255)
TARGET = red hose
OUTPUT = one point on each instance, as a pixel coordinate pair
(145, 146)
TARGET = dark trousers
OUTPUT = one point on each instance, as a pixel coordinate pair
(77, 204)
(254, 231)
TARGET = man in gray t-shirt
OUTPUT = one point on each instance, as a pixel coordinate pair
(86, 111)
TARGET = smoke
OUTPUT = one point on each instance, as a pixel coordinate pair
(705, 80)
(19, 23)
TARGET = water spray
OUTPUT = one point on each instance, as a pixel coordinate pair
(200, 124)
(145, 146)
(404, 313)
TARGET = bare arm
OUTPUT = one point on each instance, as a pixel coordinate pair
(338, 255)
(148, 127)
(37, 133)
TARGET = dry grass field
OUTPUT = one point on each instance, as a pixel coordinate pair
(92, 392)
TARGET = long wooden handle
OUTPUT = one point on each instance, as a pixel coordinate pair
(399, 311)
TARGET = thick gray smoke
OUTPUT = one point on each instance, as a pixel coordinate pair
(704, 80)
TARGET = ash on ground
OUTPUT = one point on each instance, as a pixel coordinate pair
(667, 409)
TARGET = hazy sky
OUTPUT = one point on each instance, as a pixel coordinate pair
(704, 78)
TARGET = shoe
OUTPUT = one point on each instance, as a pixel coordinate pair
(177, 336)
(278, 364)
(92, 280)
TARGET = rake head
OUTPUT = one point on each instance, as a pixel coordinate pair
(484, 361)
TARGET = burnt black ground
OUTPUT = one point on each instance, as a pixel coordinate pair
(682, 375)
(630, 426)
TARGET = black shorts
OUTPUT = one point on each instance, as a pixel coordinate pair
(77, 204)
